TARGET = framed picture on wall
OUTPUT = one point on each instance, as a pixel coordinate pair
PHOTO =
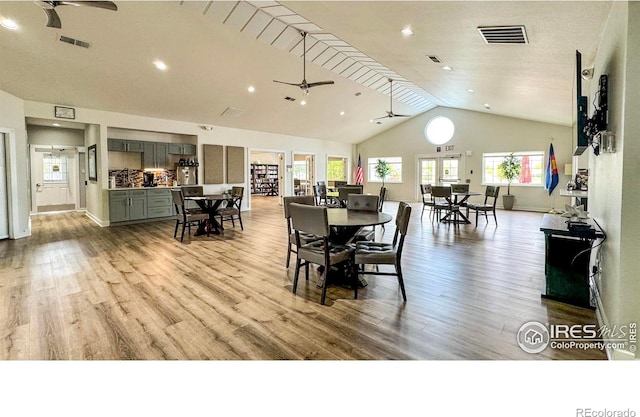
(93, 161)
(65, 112)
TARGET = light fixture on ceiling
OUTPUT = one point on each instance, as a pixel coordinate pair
(160, 65)
(341, 113)
(487, 106)
(370, 120)
(56, 124)
(303, 102)
(447, 68)
(470, 90)
(9, 24)
(206, 127)
(407, 31)
(251, 89)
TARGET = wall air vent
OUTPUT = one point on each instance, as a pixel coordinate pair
(232, 113)
(72, 41)
(290, 98)
(434, 59)
(503, 34)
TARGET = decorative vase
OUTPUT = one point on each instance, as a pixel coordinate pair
(507, 201)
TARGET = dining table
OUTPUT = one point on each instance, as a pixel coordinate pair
(459, 200)
(210, 204)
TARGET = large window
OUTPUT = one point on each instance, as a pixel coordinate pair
(336, 168)
(54, 168)
(395, 163)
(531, 174)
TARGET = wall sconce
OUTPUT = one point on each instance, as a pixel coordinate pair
(607, 141)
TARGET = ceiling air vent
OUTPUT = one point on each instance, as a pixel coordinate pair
(290, 98)
(72, 41)
(503, 34)
(232, 113)
(434, 59)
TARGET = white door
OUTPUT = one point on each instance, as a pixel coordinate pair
(440, 170)
(53, 175)
(304, 171)
(4, 197)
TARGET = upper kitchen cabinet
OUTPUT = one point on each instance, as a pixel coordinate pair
(122, 145)
(155, 155)
(182, 149)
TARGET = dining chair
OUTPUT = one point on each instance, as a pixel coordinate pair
(442, 196)
(489, 205)
(192, 191)
(320, 193)
(308, 200)
(364, 202)
(185, 216)
(343, 194)
(233, 211)
(313, 220)
(337, 184)
(380, 253)
(382, 196)
(459, 188)
(427, 199)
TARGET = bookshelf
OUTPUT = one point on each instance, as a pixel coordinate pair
(264, 179)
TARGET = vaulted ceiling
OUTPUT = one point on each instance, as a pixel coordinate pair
(216, 50)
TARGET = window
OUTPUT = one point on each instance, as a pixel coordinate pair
(300, 170)
(395, 164)
(531, 174)
(54, 168)
(439, 130)
(336, 169)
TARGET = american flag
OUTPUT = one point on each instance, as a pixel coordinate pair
(359, 179)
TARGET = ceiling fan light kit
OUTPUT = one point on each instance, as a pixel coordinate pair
(304, 85)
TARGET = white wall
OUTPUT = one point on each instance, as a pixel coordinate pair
(12, 118)
(613, 179)
(44, 135)
(476, 132)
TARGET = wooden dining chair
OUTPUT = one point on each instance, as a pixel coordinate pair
(233, 211)
(380, 253)
(443, 202)
(308, 200)
(489, 205)
(185, 216)
(427, 199)
(313, 220)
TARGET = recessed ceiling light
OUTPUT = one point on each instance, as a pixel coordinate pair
(9, 24)
(370, 120)
(447, 68)
(303, 102)
(160, 65)
(470, 90)
(56, 124)
(407, 31)
(341, 113)
(251, 89)
(487, 106)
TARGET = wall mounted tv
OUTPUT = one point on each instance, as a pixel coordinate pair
(581, 107)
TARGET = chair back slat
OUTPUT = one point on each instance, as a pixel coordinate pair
(362, 202)
(300, 199)
(441, 191)
(382, 197)
(459, 188)
(192, 191)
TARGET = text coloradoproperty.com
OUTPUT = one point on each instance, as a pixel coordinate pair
(590, 412)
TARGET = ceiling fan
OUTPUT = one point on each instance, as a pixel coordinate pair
(390, 113)
(304, 85)
(53, 20)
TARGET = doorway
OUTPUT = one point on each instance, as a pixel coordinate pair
(266, 176)
(54, 179)
(304, 173)
(441, 170)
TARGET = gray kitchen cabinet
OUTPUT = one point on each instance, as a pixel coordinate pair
(127, 205)
(159, 203)
(155, 155)
(121, 145)
(182, 149)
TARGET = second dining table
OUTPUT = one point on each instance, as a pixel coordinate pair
(459, 200)
(210, 204)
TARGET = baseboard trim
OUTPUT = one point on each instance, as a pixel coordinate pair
(96, 220)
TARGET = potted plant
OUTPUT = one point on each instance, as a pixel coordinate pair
(509, 169)
(382, 170)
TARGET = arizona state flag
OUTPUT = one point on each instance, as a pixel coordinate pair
(552, 171)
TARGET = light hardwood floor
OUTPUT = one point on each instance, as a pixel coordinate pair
(77, 291)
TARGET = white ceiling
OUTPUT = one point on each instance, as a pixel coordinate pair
(215, 50)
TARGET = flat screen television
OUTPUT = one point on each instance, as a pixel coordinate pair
(582, 139)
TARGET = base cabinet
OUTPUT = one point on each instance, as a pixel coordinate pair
(132, 205)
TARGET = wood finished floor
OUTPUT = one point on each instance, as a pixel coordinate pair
(77, 291)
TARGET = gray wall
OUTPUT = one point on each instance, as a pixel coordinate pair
(44, 135)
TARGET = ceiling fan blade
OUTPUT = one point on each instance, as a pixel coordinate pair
(293, 84)
(383, 117)
(401, 115)
(309, 85)
(53, 20)
(109, 5)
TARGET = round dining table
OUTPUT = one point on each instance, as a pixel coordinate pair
(356, 218)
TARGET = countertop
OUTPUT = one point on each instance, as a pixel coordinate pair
(574, 193)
